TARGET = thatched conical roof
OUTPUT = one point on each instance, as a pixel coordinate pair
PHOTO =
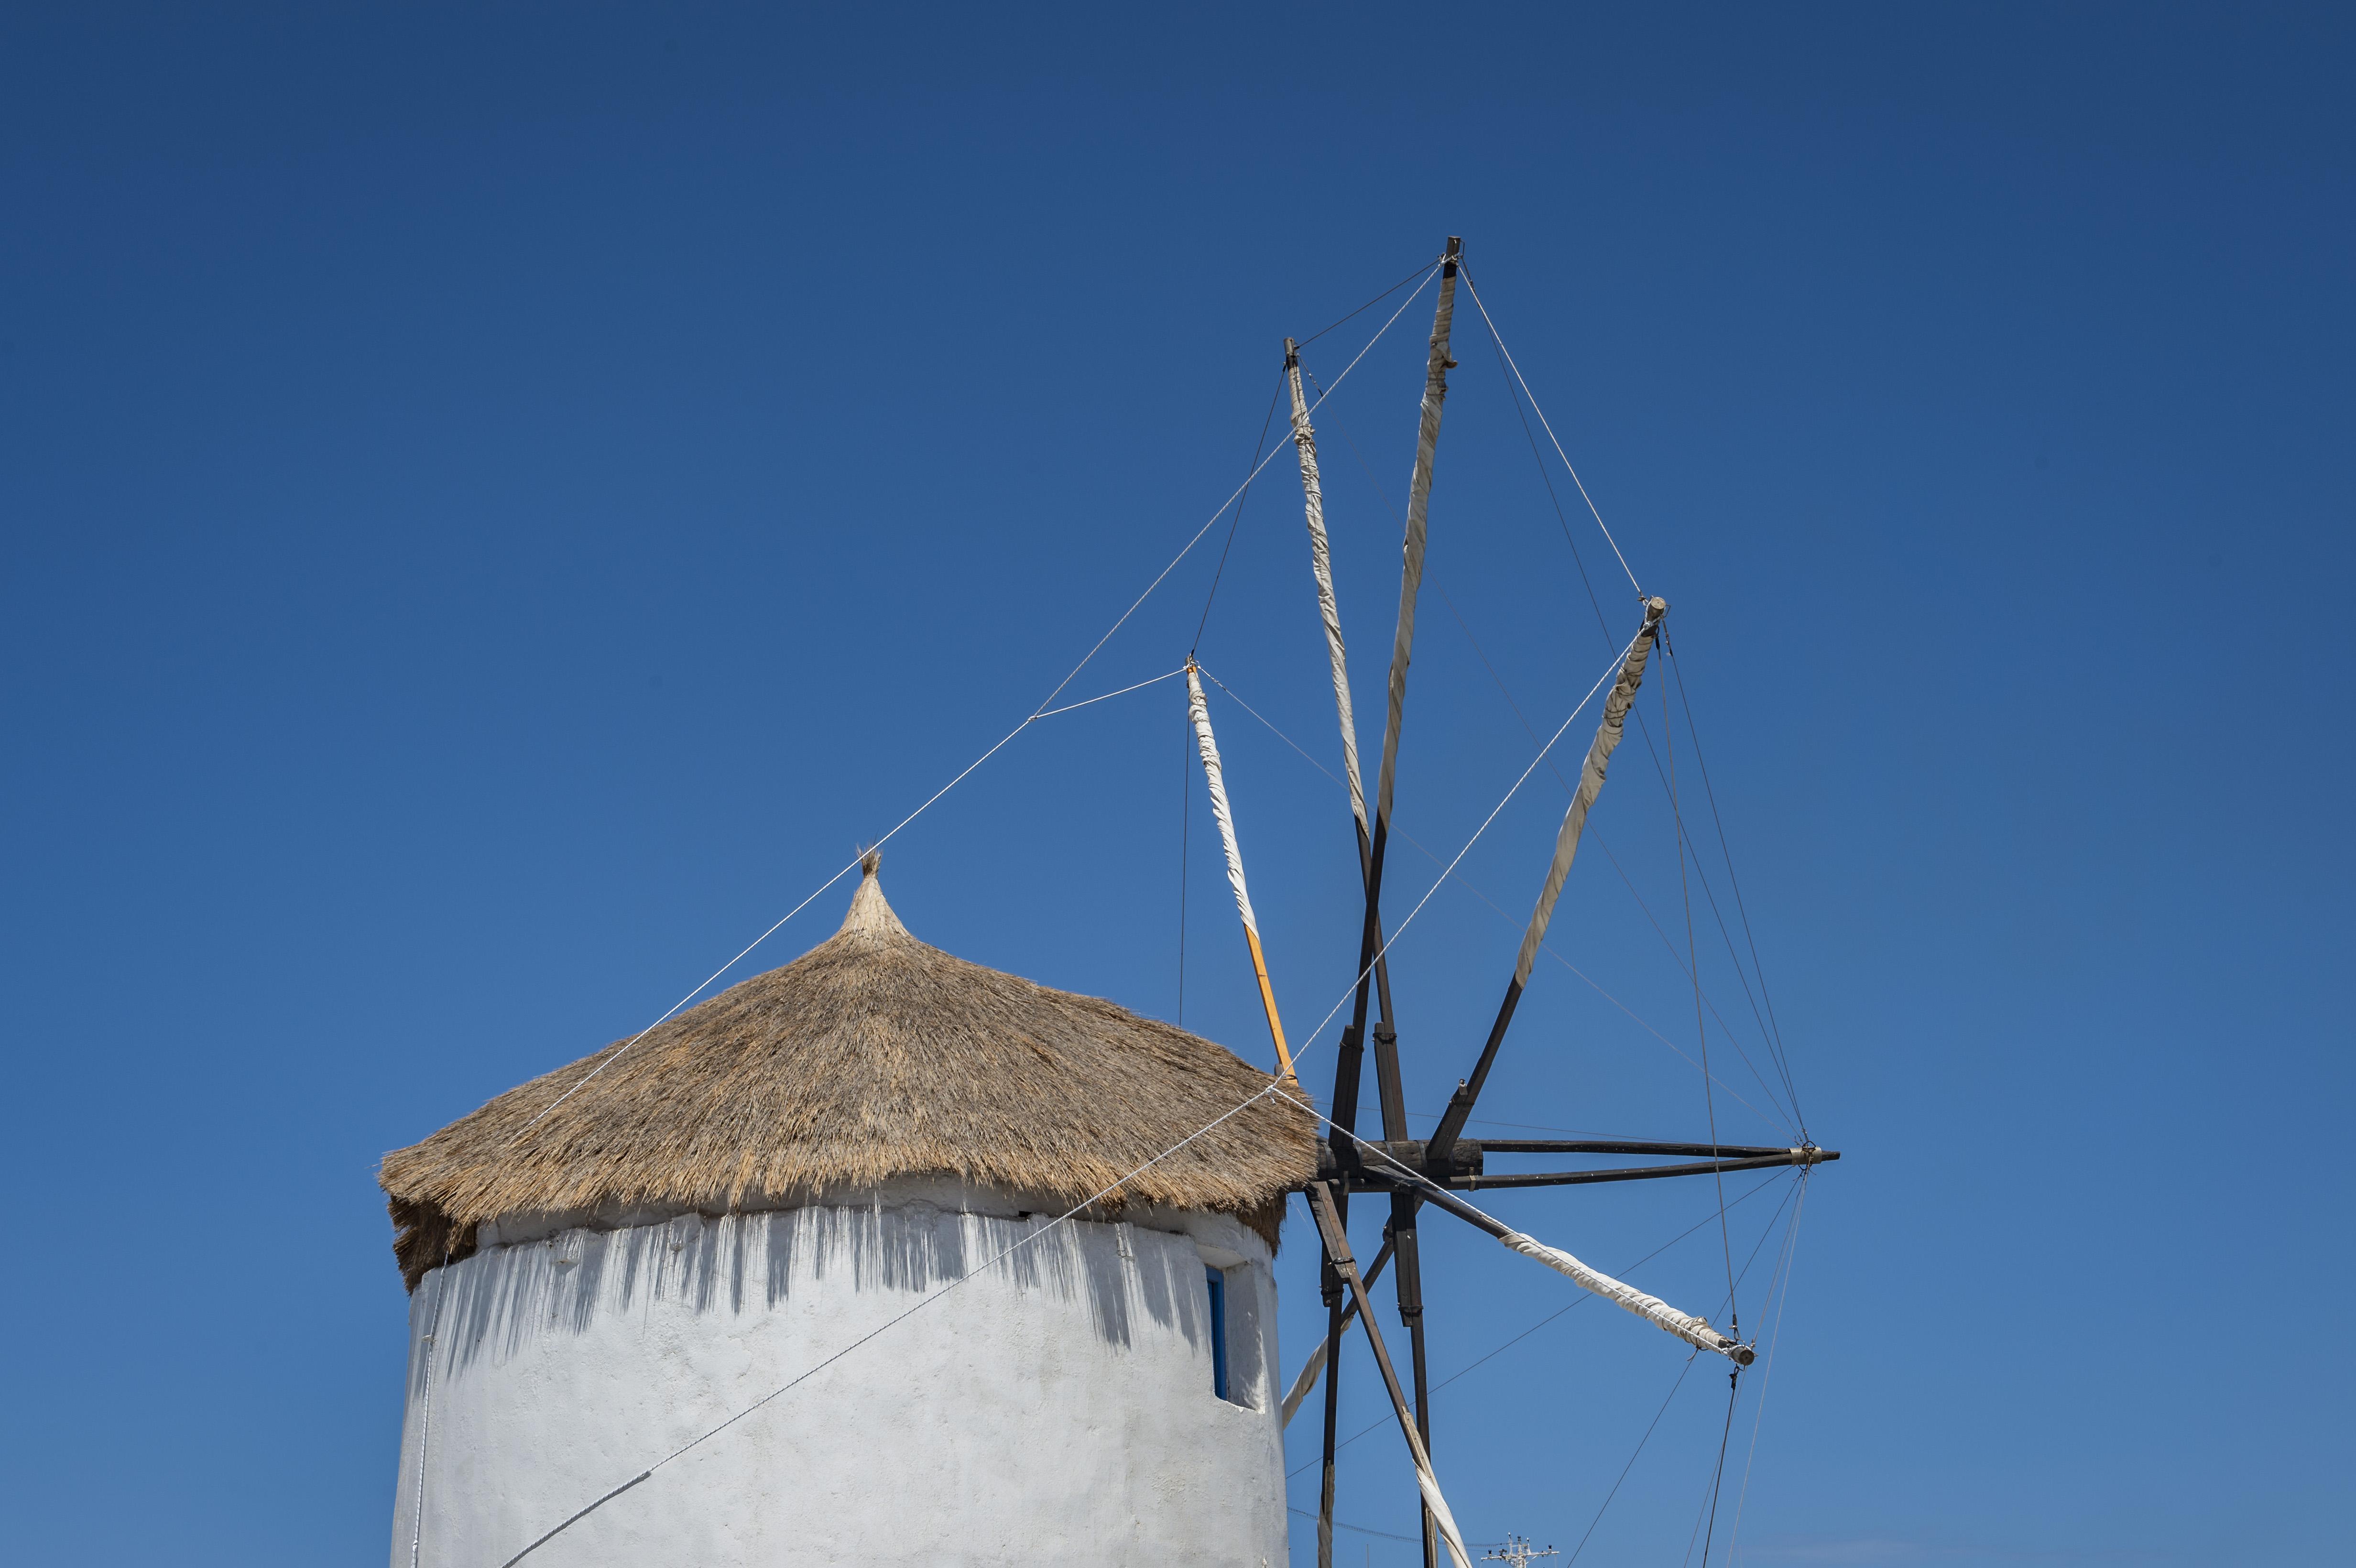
(873, 1055)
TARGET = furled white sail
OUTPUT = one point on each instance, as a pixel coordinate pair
(1303, 1383)
(1320, 566)
(1428, 1484)
(1419, 507)
(1591, 784)
(1693, 1331)
(1199, 711)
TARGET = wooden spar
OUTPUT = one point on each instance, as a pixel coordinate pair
(1419, 505)
(1337, 1247)
(1641, 1172)
(1471, 1154)
(1315, 1365)
(1471, 1151)
(1408, 1276)
(1321, 567)
(1372, 965)
(1436, 365)
(1349, 1058)
(1336, 1319)
(1633, 1146)
(1374, 1179)
(1200, 711)
(1566, 847)
(1268, 1004)
(1693, 1330)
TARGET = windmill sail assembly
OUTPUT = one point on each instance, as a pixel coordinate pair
(883, 1244)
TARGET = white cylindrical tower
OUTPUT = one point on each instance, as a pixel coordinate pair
(840, 1180)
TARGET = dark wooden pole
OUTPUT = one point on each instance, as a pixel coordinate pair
(1337, 1246)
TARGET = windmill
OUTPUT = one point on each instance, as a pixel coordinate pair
(880, 1178)
(1404, 1173)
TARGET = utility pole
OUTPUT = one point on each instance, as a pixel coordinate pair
(1518, 1552)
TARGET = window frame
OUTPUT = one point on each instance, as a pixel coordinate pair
(1214, 1280)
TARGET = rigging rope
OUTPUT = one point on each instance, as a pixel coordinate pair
(1392, 940)
(1567, 464)
(1772, 1029)
(1423, 272)
(1767, 1374)
(1042, 710)
(1627, 1297)
(1459, 878)
(1045, 710)
(1547, 479)
(1573, 1558)
(1709, 1100)
(1767, 1026)
(1575, 1301)
(1241, 496)
(1718, 1479)
(1793, 1121)
(1758, 1410)
(1766, 1230)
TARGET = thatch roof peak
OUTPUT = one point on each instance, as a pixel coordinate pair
(874, 1056)
(869, 914)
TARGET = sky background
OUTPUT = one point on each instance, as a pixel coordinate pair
(500, 501)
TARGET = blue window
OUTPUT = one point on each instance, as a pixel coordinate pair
(1218, 1283)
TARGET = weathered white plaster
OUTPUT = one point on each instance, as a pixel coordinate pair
(1057, 1407)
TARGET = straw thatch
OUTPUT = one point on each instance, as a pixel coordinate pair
(871, 1056)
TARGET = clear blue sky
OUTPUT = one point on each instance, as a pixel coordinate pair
(498, 501)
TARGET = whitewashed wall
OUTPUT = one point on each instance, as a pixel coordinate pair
(1055, 1408)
